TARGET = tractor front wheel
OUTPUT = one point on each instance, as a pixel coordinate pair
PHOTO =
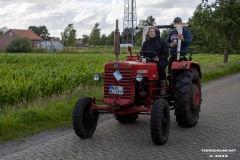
(160, 121)
(84, 118)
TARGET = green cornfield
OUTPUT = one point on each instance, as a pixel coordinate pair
(26, 77)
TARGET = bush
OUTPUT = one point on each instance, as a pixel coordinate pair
(19, 45)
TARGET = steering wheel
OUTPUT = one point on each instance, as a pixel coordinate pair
(148, 54)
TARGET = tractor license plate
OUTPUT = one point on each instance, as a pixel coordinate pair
(116, 90)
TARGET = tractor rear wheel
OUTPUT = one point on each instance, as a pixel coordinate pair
(127, 118)
(160, 121)
(187, 97)
(84, 118)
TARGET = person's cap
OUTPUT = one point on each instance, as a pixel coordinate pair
(177, 19)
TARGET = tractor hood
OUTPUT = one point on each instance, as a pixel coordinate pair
(148, 70)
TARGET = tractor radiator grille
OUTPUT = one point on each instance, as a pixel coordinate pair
(110, 80)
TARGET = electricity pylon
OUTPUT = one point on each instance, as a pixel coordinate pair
(129, 21)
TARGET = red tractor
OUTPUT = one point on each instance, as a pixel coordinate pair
(132, 87)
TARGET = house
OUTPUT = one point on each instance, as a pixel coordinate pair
(52, 45)
(12, 34)
(78, 42)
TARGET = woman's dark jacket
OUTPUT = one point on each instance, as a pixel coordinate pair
(158, 46)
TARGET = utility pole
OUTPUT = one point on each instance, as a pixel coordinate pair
(129, 21)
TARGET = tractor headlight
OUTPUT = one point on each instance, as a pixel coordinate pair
(139, 77)
(96, 77)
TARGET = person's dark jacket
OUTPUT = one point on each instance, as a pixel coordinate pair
(158, 46)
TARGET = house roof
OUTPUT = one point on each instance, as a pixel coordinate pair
(78, 41)
(26, 33)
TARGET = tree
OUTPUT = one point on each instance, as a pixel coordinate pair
(103, 39)
(94, 38)
(3, 30)
(41, 31)
(150, 21)
(223, 17)
(19, 45)
(69, 36)
(85, 40)
(72, 38)
(164, 34)
(110, 39)
(127, 34)
(138, 37)
(200, 34)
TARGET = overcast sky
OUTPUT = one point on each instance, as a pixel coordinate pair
(57, 14)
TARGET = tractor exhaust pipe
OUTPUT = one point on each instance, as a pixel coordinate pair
(117, 41)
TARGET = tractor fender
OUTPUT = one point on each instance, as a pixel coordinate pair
(180, 65)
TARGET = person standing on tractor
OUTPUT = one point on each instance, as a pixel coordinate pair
(172, 40)
(155, 44)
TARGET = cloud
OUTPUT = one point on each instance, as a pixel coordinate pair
(84, 14)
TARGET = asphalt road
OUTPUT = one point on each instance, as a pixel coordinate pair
(216, 136)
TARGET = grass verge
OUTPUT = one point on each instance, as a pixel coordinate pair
(45, 114)
(220, 71)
